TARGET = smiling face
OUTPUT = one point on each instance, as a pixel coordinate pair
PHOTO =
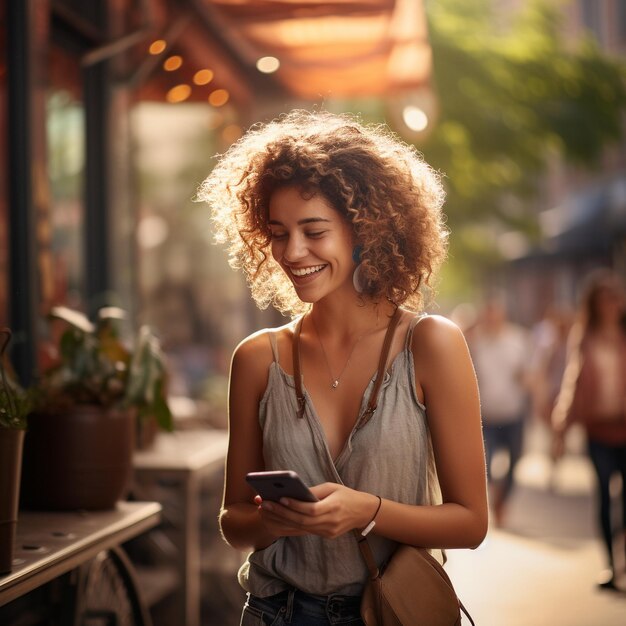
(311, 242)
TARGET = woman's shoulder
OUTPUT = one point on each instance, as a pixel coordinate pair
(436, 335)
(257, 347)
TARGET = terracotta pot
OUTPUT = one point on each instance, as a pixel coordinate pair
(79, 458)
(11, 444)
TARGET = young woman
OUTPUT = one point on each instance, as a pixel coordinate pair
(593, 393)
(341, 224)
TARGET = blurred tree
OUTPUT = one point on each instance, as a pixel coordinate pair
(511, 92)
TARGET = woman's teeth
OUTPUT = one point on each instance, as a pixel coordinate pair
(304, 271)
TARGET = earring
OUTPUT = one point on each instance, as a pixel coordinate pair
(357, 279)
(357, 276)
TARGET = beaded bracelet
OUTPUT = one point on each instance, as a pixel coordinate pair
(372, 523)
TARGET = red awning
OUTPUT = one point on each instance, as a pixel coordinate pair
(323, 48)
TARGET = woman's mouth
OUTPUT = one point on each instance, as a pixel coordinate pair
(305, 271)
(305, 274)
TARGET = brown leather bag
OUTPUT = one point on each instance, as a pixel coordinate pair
(412, 589)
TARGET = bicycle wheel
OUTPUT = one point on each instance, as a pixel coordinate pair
(108, 594)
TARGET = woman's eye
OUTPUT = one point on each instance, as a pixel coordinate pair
(278, 236)
(315, 234)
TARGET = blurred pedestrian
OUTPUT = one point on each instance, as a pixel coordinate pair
(550, 337)
(593, 393)
(501, 352)
(342, 224)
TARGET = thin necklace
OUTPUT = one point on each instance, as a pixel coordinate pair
(335, 380)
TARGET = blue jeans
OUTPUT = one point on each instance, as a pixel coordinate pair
(508, 436)
(302, 609)
(608, 460)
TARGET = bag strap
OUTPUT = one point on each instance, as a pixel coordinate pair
(380, 375)
(297, 376)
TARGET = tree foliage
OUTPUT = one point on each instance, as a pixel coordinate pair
(511, 91)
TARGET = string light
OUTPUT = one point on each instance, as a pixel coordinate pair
(157, 46)
(172, 63)
(219, 97)
(179, 93)
(203, 77)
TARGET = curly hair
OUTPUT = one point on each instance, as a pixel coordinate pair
(391, 197)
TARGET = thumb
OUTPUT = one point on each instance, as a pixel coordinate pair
(324, 490)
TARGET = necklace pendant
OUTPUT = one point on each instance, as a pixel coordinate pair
(335, 384)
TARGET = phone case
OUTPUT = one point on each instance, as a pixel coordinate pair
(280, 484)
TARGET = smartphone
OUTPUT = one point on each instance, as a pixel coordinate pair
(280, 484)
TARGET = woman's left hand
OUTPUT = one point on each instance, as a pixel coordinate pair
(339, 510)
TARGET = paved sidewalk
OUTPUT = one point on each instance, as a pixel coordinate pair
(541, 568)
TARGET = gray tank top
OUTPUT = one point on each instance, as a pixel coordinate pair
(390, 456)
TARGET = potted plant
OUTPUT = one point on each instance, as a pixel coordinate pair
(78, 451)
(15, 404)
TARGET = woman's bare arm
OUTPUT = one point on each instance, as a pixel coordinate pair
(445, 376)
(240, 522)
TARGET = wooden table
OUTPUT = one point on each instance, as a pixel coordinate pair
(49, 544)
(176, 464)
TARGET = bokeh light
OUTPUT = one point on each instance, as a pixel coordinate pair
(219, 97)
(172, 63)
(157, 46)
(179, 93)
(203, 77)
(267, 65)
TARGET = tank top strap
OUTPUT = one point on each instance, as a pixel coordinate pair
(271, 335)
(412, 324)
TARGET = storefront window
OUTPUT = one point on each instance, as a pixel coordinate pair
(200, 307)
(65, 125)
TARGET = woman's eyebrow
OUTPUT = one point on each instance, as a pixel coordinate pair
(307, 220)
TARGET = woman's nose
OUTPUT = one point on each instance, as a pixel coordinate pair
(295, 249)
